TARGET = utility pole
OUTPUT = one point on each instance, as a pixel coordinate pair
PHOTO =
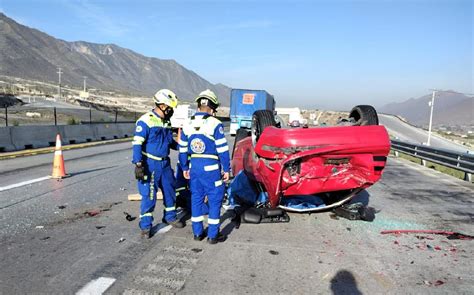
(59, 83)
(85, 78)
(431, 104)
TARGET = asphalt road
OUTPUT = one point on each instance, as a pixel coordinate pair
(407, 132)
(49, 244)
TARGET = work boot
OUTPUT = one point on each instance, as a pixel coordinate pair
(219, 239)
(145, 233)
(200, 237)
(175, 223)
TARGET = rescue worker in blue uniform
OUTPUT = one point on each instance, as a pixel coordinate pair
(203, 140)
(152, 142)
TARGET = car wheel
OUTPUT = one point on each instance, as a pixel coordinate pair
(261, 120)
(241, 134)
(364, 115)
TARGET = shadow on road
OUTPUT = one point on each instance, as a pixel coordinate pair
(344, 283)
(91, 170)
(229, 214)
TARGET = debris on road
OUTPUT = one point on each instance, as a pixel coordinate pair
(62, 207)
(99, 226)
(123, 189)
(438, 283)
(44, 238)
(121, 240)
(134, 197)
(449, 234)
(334, 216)
(92, 213)
(435, 283)
(273, 252)
(129, 217)
(355, 211)
(39, 227)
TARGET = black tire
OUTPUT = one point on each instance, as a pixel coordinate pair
(239, 135)
(364, 115)
(261, 120)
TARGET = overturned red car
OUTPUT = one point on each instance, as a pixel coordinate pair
(331, 163)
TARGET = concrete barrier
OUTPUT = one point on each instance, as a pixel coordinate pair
(6, 143)
(26, 137)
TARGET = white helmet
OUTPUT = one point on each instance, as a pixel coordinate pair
(210, 97)
(166, 97)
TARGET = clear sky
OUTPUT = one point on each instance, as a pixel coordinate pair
(332, 54)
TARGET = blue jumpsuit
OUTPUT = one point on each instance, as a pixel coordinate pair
(204, 141)
(151, 145)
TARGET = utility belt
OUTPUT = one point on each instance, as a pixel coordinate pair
(155, 157)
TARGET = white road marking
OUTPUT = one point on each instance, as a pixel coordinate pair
(98, 286)
(23, 183)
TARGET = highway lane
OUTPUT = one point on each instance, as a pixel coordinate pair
(409, 133)
(311, 254)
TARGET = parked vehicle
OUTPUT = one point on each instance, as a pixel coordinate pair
(243, 103)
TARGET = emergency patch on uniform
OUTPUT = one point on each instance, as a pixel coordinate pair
(139, 128)
(221, 130)
(198, 146)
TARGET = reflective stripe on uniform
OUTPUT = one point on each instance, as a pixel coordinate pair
(208, 136)
(218, 183)
(211, 167)
(183, 149)
(151, 120)
(204, 156)
(180, 189)
(194, 132)
(222, 149)
(183, 143)
(152, 157)
(168, 209)
(152, 187)
(213, 221)
(146, 214)
(138, 140)
(220, 141)
(197, 219)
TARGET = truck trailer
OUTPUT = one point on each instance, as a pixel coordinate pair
(243, 103)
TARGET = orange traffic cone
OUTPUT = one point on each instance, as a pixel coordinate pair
(58, 163)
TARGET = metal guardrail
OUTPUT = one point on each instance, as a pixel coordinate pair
(459, 161)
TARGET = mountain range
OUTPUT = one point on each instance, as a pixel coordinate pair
(449, 108)
(31, 54)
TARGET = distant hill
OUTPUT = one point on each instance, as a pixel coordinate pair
(450, 108)
(31, 54)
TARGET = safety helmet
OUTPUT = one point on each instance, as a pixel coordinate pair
(210, 97)
(167, 97)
